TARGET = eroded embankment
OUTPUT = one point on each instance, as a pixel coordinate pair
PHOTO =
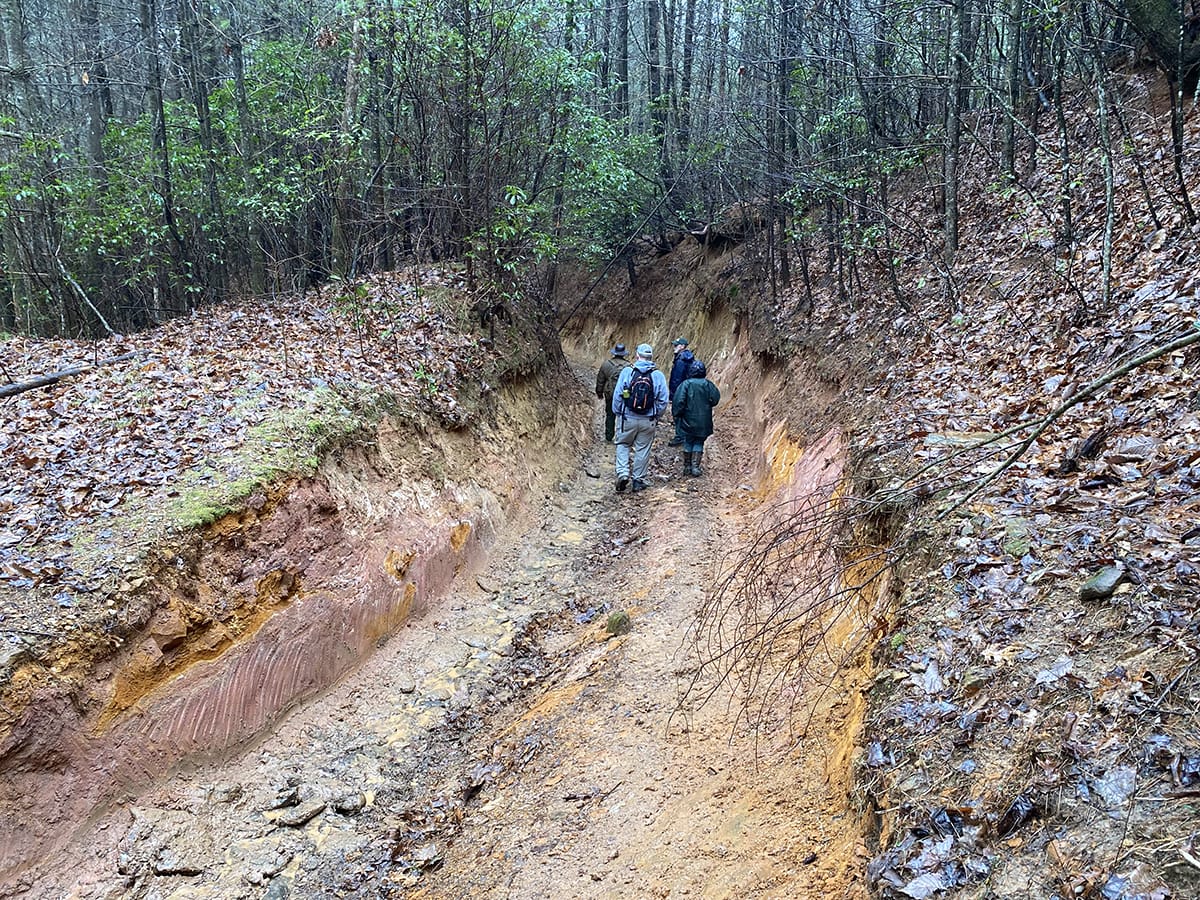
(276, 602)
(266, 608)
(820, 592)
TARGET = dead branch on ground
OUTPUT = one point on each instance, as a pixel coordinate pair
(11, 390)
(773, 621)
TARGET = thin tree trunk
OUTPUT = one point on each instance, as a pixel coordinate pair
(723, 57)
(1139, 166)
(164, 293)
(1013, 79)
(16, 78)
(954, 112)
(622, 61)
(685, 81)
(1068, 225)
(654, 73)
(197, 69)
(249, 151)
(342, 263)
(1110, 200)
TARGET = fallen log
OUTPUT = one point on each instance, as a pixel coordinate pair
(11, 390)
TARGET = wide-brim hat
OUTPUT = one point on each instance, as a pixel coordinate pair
(619, 350)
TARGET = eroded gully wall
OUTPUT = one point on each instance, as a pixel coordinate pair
(273, 605)
(799, 459)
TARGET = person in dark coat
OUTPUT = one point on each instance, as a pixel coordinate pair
(692, 406)
(606, 382)
(679, 374)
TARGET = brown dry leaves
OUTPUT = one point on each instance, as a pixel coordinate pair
(1021, 734)
(78, 452)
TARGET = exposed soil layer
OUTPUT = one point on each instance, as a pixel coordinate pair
(501, 743)
(268, 607)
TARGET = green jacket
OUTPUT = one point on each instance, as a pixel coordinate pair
(693, 405)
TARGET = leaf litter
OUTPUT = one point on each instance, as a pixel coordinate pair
(1035, 724)
(102, 465)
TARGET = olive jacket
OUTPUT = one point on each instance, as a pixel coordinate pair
(606, 378)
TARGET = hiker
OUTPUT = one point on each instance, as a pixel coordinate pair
(679, 374)
(639, 399)
(606, 383)
(692, 407)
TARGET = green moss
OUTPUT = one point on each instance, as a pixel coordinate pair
(618, 622)
(1018, 539)
(291, 443)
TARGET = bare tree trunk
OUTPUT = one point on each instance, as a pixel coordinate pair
(622, 60)
(685, 81)
(1139, 166)
(954, 112)
(1067, 235)
(777, 173)
(1106, 155)
(1013, 83)
(148, 14)
(654, 73)
(606, 57)
(723, 43)
(15, 75)
(95, 80)
(198, 67)
(249, 150)
(342, 247)
(1177, 89)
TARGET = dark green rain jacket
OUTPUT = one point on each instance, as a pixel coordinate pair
(693, 404)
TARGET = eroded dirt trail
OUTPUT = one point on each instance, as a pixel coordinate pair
(502, 745)
(629, 796)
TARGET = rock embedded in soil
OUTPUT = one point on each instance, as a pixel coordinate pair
(170, 862)
(1103, 583)
(227, 793)
(350, 804)
(288, 796)
(267, 867)
(11, 656)
(296, 816)
(169, 630)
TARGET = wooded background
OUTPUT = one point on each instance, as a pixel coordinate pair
(157, 155)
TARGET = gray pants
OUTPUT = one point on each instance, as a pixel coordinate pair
(636, 432)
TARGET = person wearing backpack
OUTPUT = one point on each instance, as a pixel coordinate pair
(606, 384)
(692, 407)
(639, 398)
(679, 374)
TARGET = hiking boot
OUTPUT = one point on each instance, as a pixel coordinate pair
(639, 485)
(622, 483)
(687, 462)
(695, 468)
